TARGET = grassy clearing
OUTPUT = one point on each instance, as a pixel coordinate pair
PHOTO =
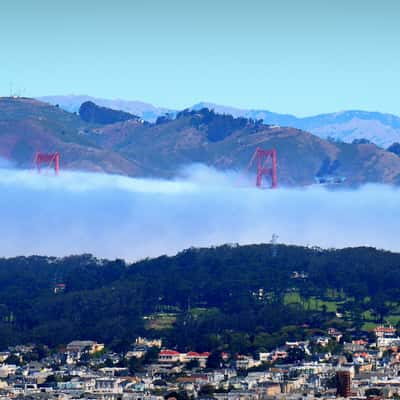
(160, 321)
(316, 304)
(201, 312)
(369, 326)
(393, 319)
(312, 303)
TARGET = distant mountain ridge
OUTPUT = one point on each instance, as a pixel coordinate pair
(379, 128)
(72, 103)
(220, 141)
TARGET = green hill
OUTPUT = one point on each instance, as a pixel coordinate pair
(244, 298)
(137, 148)
(27, 126)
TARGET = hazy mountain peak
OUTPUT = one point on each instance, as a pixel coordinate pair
(144, 110)
(346, 125)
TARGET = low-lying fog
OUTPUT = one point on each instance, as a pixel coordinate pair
(119, 217)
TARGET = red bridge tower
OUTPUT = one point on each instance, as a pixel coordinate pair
(266, 166)
(49, 159)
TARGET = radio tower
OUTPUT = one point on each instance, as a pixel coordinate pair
(266, 166)
(274, 245)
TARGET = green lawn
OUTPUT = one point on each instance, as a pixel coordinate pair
(393, 319)
(369, 326)
(312, 303)
(160, 321)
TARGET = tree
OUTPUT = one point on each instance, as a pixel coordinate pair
(373, 392)
(214, 360)
(109, 363)
(193, 364)
(134, 365)
(151, 355)
(207, 390)
(295, 354)
(13, 359)
(181, 395)
(394, 148)
(380, 308)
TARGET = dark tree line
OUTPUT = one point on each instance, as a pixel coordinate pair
(224, 297)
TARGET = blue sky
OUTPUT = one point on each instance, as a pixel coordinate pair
(294, 56)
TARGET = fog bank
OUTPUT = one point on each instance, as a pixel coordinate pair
(113, 216)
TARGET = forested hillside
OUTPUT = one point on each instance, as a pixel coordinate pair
(248, 298)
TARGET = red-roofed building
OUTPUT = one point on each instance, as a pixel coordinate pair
(360, 342)
(200, 357)
(172, 356)
(169, 356)
(384, 331)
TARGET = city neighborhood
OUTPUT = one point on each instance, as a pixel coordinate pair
(325, 366)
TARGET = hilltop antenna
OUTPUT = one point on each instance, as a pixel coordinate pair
(274, 245)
